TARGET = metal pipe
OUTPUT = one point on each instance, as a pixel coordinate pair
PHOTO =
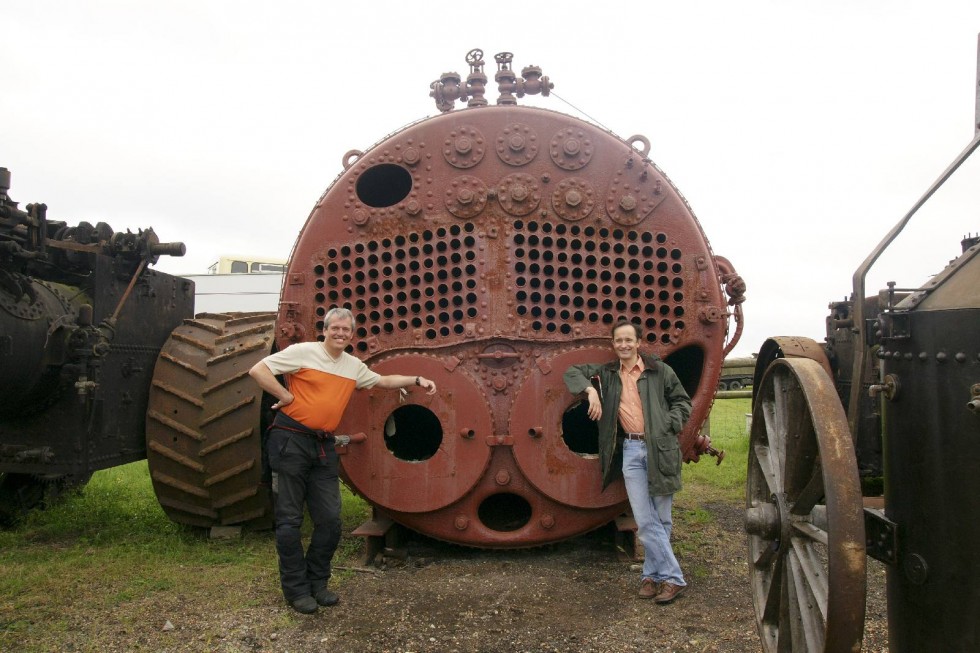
(857, 296)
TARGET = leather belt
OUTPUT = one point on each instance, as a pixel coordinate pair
(632, 436)
(285, 422)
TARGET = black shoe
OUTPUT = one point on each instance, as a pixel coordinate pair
(304, 605)
(326, 597)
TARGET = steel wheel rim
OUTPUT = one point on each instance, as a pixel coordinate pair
(804, 514)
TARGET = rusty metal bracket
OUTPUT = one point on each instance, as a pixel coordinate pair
(379, 533)
(628, 545)
(881, 536)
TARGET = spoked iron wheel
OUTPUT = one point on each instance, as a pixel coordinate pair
(804, 514)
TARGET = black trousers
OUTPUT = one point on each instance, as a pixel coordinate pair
(304, 474)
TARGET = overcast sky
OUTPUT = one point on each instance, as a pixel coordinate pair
(800, 132)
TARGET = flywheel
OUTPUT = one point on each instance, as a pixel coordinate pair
(204, 422)
(804, 514)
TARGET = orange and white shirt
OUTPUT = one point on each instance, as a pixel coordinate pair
(321, 386)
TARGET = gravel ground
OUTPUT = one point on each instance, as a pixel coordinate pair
(576, 596)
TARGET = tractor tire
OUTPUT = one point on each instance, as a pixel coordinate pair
(204, 436)
(735, 385)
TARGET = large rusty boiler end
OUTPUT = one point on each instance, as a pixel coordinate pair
(488, 249)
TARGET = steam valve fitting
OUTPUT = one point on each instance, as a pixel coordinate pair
(446, 90)
(702, 444)
(974, 404)
(533, 83)
(890, 388)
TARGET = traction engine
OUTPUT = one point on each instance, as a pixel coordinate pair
(82, 319)
(866, 444)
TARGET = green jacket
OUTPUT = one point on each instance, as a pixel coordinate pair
(666, 407)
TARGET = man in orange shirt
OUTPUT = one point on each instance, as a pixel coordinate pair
(320, 379)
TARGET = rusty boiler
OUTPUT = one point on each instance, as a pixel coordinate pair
(488, 248)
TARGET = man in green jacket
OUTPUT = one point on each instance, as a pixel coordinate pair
(643, 406)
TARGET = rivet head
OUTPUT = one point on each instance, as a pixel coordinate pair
(960, 357)
(923, 355)
(941, 356)
(547, 521)
(502, 477)
(572, 146)
(461, 522)
(516, 142)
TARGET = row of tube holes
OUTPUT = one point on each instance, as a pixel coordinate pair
(564, 274)
(568, 274)
(424, 279)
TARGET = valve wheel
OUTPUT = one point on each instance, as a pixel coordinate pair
(804, 514)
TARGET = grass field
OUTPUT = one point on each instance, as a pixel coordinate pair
(729, 434)
(110, 544)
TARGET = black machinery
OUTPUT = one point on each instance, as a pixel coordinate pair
(888, 404)
(82, 319)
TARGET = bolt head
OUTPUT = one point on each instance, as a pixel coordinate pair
(627, 202)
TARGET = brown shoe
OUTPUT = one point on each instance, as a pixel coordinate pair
(669, 592)
(649, 588)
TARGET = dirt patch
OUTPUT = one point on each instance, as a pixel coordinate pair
(577, 596)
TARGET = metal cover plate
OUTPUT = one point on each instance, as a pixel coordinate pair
(425, 485)
(546, 461)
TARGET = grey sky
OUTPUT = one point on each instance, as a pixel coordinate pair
(799, 132)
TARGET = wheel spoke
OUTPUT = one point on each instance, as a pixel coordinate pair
(765, 558)
(815, 573)
(763, 457)
(811, 493)
(811, 532)
(807, 622)
(802, 454)
(777, 437)
(774, 595)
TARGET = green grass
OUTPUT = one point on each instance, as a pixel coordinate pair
(109, 547)
(108, 557)
(706, 481)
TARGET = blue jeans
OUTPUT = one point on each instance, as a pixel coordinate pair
(652, 515)
(304, 473)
